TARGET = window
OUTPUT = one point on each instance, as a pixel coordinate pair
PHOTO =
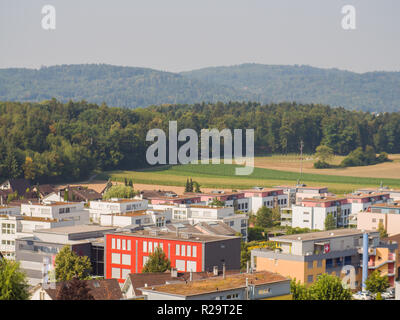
(125, 273)
(177, 250)
(129, 245)
(116, 273)
(310, 278)
(113, 243)
(347, 260)
(123, 244)
(319, 263)
(264, 291)
(310, 264)
(115, 258)
(145, 259)
(126, 259)
(194, 252)
(144, 246)
(118, 244)
(232, 296)
(183, 253)
(192, 266)
(161, 246)
(329, 263)
(189, 253)
(150, 246)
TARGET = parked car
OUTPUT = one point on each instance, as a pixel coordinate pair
(363, 295)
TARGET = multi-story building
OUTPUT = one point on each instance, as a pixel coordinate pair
(297, 193)
(312, 213)
(244, 286)
(10, 210)
(185, 199)
(362, 201)
(60, 211)
(85, 240)
(388, 214)
(202, 213)
(264, 197)
(147, 217)
(393, 194)
(237, 200)
(306, 256)
(128, 252)
(114, 206)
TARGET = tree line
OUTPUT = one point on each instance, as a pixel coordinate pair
(50, 141)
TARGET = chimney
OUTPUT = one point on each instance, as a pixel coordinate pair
(223, 271)
(174, 273)
(215, 270)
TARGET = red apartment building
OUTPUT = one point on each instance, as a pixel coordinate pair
(127, 252)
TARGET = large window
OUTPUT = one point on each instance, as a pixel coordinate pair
(8, 228)
(144, 246)
(116, 273)
(194, 252)
(177, 250)
(115, 258)
(126, 259)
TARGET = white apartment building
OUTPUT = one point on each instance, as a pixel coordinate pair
(311, 213)
(269, 198)
(59, 211)
(195, 213)
(18, 226)
(148, 217)
(112, 206)
(9, 210)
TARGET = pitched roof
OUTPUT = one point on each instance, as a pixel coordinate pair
(140, 280)
(46, 189)
(101, 289)
(213, 284)
(19, 185)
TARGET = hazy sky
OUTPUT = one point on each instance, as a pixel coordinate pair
(178, 35)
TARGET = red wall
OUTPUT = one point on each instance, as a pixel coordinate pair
(140, 254)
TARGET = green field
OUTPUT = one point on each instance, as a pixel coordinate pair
(223, 176)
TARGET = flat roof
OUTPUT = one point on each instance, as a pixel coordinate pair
(366, 195)
(214, 284)
(387, 205)
(325, 199)
(119, 200)
(168, 235)
(321, 235)
(52, 204)
(76, 229)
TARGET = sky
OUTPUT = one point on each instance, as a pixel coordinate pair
(181, 35)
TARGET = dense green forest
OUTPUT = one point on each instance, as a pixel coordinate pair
(49, 141)
(139, 87)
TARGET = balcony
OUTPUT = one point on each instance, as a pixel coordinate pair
(392, 257)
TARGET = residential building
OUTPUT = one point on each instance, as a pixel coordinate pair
(312, 213)
(100, 289)
(113, 206)
(16, 226)
(264, 197)
(388, 214)
(59, 211)
(297, 193)
(147, 217)
(286, 217)
(237, 200)
(244, 286)
(128, 252)
(393, 194)
(85, 240)
(135, 281)
(195, 213)
(74, 194)
(362, 201)
(185, 199)
(308, 255)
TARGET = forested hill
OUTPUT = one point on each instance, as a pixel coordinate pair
(372, 91)
(50, 140)
(116, 86)
(140, 87)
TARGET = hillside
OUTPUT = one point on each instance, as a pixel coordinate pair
(116, 86)
(372, 91)
(140, 87)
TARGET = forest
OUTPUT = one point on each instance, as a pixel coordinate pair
(52, 141)
(133, 87)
